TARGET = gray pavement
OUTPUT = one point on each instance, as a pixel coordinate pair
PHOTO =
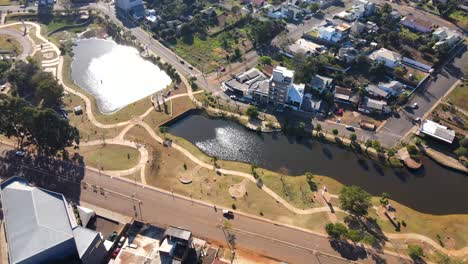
(24, 42)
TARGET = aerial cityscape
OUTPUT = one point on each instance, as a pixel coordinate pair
(233, 131)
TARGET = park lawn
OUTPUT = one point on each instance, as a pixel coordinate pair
(459, 96)
(110, 157)
(8, 43)
(87, 129)
(178, 105)
(58, 22)
(453, 226)
(461, 18)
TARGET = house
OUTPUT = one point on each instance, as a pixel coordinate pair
(375, 91)
(333, 33)
(369, 106)
(321, 84)
(176, 243)
(417, 24)
(344, 95)
(358, 27)
(303, 46)
(315, 105)
(135, 8)
(389, 58)
(393, 88)
(435, 130)
(363, 8)
(296, 96)
(258, 3)
(291, 12)
(347, 55)
(446, 37)
(40, 227)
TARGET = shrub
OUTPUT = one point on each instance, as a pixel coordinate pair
(415, 252)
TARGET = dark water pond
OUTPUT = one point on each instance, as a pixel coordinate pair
(433, 189)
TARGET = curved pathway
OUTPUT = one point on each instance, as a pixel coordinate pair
(24, 41)
(144, 154)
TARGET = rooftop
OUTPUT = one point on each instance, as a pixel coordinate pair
(35, 219)
(438, 131)
(178, 233)
(385, 53)
(375, 90)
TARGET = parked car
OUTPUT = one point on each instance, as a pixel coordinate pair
(112, 236)
(222, 69)
(190, 67)
(20, 153)
(233, 97)
(228, 214)
(115, 253)
(415, 105)
(417, 120)
(350, 128)
(339, 112)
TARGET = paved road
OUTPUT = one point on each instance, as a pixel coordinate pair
(162, 208)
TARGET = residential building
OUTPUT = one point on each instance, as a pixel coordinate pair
(333, 33)
(303, 46)
(280, 82)
(358, 27)
(291, 12)
(321, 84)
(348, 54)
(389, 58)
(175, 244)
(437, 131)
(40, 227)
(134, 8)
(417, 24)
(258, 3)
(393, 88)
(370, 106)
(363, 8)
(344, 95)
(315, 105)
(446, 37)
(296, 96)
(375, 91)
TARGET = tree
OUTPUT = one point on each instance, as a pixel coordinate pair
(353, 235)
(335, 131)
(263, 31)
(368, 144)
(300, 128)
(391, 153)
(412, 150)
(314, 7)
(318, 128)
(377, 70)
(355, 200)
(441, 258)
(48, 90)
(311, 182)
(376, 145)
(353, 137)
(336, 231)
(415, 252)
(252, 112)
(461, 152)
(384, 199)
(399, 71)
(264, 60)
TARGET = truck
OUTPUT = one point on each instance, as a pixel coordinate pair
(367, 125)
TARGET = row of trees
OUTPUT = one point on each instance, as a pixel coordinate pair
(38, 126)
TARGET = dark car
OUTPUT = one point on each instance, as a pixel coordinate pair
(228, 214)
(190, 67)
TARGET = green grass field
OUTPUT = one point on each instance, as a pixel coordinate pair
(8, 43)
(459, 96)
(110, 157)
(461, 17)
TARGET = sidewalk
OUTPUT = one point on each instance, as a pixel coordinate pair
(122, 219)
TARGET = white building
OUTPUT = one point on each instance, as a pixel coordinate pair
(134, 8)
(446, 36)
(389, 58)
(435, 130)
(334, 34)
(394, 88)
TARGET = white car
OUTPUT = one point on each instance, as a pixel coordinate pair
(414, 106)
(350, 128)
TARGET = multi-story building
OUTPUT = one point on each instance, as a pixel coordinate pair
(135, 8)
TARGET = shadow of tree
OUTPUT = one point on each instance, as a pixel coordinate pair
(348, 251)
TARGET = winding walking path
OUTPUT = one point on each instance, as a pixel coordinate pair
(119, 140)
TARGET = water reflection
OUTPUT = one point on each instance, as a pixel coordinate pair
(432, 189)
